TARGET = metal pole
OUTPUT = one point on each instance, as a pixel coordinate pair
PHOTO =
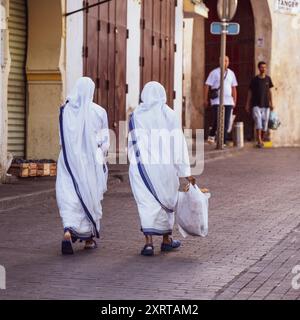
(221, 114)
(87, 7)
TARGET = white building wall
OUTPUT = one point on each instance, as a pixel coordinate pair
(133, 54)
(74, 44)
(178, 72)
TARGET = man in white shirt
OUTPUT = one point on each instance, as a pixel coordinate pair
(230, 97)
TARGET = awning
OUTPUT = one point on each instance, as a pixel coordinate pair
(192, 7)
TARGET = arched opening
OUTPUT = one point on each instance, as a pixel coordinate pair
(244, 50)
(240, 50)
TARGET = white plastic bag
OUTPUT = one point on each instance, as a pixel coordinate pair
(192, 212)
(274, 122)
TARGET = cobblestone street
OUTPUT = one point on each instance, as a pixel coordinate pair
(252, 247)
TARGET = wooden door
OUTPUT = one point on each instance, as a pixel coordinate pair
(240, 50)
(105, 50)
(158, 44)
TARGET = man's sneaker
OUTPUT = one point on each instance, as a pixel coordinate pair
(211, 140)
(260, 145)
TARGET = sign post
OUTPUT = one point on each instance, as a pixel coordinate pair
(226, 11)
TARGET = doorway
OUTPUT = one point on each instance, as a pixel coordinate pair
(241, 51)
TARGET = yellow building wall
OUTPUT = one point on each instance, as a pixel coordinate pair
(194, 72)
(45, 76)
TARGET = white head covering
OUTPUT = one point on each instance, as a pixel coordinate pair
(153, 95)
(153, 113)
(80, 135)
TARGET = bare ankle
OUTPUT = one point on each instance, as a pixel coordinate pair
(148, 240)
(67, 236)
(166, 239)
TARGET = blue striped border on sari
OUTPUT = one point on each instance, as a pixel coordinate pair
(142, 170)
(86, 210)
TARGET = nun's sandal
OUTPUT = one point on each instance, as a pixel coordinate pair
(66, 245)
(90, 245)
(148, 250)
(167, 247)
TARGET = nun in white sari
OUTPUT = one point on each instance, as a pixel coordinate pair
(158, 158)
(82, 171)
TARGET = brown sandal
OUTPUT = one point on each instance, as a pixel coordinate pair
(92, 245)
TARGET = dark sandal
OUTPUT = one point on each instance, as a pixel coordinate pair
(167, 247)
(66, 247)
(148, 250)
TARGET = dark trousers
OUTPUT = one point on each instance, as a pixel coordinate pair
(213, 131)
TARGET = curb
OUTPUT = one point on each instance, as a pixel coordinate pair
(222, 154)
(24, 200)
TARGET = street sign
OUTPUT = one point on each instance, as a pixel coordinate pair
(231, 28)
(227, 9)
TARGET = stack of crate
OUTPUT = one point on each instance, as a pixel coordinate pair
(46, 169)
(20, 170)
(25, 169)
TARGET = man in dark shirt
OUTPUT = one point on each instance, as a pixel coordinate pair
(260, 100)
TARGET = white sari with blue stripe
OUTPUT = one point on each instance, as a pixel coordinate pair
(82, 172)
(156, 164)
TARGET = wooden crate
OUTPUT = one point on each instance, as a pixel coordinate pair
(19, 170)
(25, 170)
(53, 169)
(43, 169)
(32, 169)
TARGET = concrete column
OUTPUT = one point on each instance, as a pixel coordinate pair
(194, 71)
(45, 76)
